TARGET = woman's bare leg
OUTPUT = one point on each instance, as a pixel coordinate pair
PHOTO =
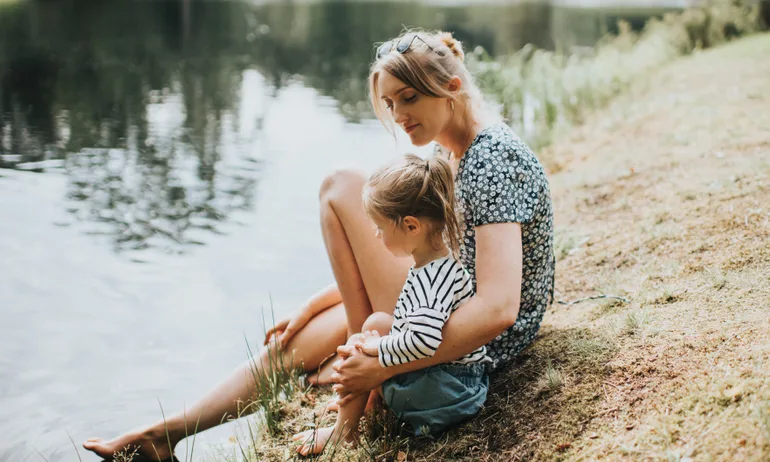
(368, 275)
(310, 346)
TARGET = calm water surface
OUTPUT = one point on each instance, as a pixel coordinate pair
(159, 167)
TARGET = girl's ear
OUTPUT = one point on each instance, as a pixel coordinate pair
(411, 224)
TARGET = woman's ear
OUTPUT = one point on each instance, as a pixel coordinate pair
(455, 84)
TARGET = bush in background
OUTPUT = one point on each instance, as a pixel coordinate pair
(542, 93)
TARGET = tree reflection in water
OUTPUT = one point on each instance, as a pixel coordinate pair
(141, 198)
(92, 86)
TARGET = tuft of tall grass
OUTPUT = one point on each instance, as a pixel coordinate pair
(552, 378)
(635, 321)
(566, 243)
(275, 381)
(589, 348)
(543, 93)
(383, 435)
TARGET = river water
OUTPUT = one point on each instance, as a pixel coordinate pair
(159, 168)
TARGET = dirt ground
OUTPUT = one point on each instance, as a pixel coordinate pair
(663, 199)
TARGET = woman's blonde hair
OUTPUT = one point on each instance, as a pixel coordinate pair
(427, 66)
(419, 188)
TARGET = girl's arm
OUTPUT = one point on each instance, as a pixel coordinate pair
(422, 332)
(285, 329)
(493, 309)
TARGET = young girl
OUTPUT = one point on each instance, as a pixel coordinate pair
(412, 205)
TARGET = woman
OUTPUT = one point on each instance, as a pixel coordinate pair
(418, 82)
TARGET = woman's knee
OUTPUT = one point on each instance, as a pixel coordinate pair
(379, 321)
(340, 184)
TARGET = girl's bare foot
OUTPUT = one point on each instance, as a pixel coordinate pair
(151, 445)
(314, 441)
(374, 402)
(332, 405)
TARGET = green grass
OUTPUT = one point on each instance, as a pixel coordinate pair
(589, 348)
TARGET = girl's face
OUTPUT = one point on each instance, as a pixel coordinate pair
(402, 239)
(422, 117)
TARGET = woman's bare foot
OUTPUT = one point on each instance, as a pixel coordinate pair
(314, 441)
(151, 445)
(324, 374)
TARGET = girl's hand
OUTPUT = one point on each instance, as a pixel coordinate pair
(370, 344)
(284, 330)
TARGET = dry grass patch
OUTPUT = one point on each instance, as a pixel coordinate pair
(682, 223)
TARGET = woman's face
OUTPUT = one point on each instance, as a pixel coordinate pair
(422, 117)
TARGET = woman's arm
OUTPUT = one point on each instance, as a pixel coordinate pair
(493, 309)
(285, 329)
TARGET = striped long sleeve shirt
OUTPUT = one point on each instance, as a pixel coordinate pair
(430, 295)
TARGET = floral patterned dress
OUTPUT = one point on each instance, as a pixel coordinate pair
(499, 180)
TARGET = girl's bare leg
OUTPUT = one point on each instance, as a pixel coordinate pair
(311, 345)
(346, 427)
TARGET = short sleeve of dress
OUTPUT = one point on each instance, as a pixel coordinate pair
(506, 186)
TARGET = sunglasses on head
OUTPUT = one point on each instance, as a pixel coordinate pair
(403, 44)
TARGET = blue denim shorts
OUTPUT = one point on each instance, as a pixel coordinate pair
(433, 399)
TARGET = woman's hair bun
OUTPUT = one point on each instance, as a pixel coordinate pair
(453, 45)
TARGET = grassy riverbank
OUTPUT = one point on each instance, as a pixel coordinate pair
(661, 198)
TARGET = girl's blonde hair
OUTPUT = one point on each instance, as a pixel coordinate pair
(427, 66)
(419, 188)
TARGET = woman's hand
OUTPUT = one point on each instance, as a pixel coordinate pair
(356, 373)
(284, 330)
